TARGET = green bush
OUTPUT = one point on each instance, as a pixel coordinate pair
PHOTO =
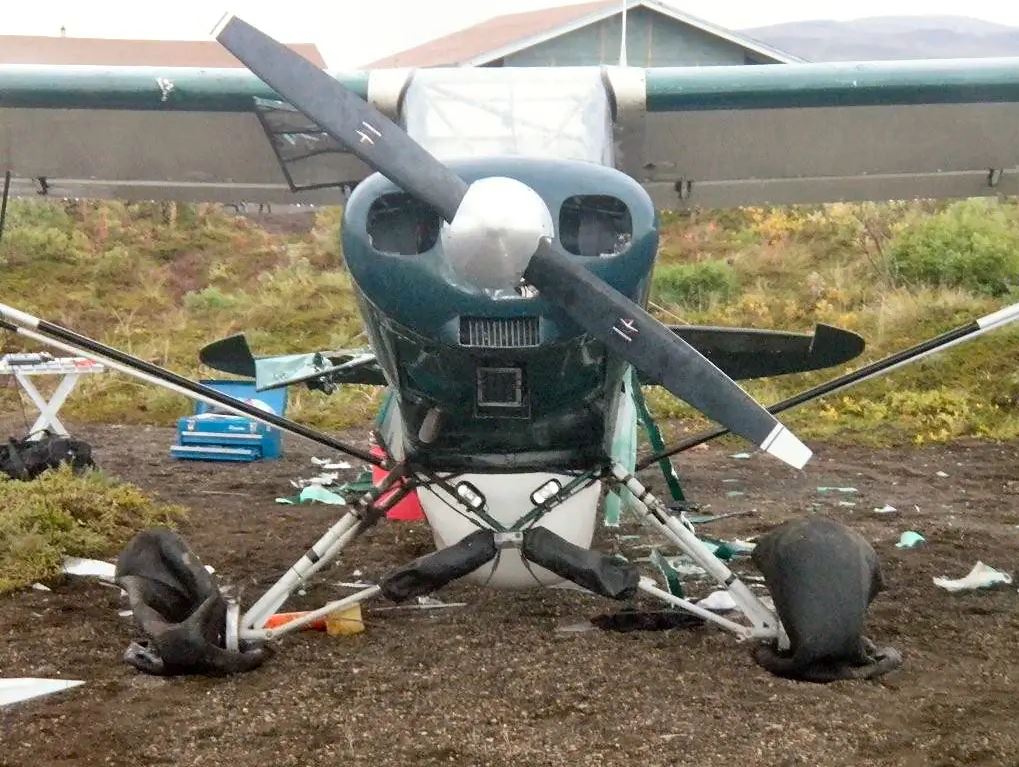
(973, 244)
(61, 514)
(695, 284)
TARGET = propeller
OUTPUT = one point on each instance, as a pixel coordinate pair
(509, 224)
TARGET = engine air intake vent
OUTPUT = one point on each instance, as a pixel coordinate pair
(499, 333)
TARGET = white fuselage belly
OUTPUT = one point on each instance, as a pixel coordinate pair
(508, 499)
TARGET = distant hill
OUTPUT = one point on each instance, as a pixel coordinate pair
(891, 37)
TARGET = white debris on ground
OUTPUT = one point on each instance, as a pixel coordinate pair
(718, 602)
(94, 568)
(980, 577)
(21, 689)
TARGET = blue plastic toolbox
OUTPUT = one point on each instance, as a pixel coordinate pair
(209, 435)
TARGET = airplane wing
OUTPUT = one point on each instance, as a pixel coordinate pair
(146, 133)
(728, 136)
(693, 136)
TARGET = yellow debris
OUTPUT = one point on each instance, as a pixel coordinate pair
(344, 622)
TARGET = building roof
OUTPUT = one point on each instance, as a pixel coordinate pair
(17, 49)
(504, 35)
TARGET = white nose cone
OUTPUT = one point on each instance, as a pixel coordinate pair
(495, 232)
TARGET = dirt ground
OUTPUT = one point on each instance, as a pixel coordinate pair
(495, 683)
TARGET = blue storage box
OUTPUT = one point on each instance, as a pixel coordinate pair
(209, 435)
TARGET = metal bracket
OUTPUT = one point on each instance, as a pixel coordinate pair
(512, 539)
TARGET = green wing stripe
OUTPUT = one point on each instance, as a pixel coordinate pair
(790, 86)
(143, 88)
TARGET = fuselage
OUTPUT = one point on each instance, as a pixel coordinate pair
(497, 380)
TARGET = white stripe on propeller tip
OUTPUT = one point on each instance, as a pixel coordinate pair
(785, 446)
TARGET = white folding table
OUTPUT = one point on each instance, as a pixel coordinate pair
(24, 367)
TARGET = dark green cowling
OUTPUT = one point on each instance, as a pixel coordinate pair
(416, 310)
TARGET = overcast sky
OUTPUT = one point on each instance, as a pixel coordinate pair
(351, 33)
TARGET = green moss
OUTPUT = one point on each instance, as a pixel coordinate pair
(62, 514)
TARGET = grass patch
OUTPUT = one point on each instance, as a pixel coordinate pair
(62, 514)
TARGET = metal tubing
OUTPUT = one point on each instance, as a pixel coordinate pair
(648, 586)
(67, 340)
(325, 549)
(3, 203)
(954, 337)
(651, 512)
(304, 620)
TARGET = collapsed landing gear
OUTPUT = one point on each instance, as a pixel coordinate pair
(180, 607)
(822, 577)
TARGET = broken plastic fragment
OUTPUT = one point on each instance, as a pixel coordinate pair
(89, 567)
(672, 577)
(910, 540)
(980, 577)
(329, 465)
(318, 494)
(940, 474)
(886, 509)
(41, 587)
(25, 688)
(740, 456)
(718, 602)
(843, 490)
(847, 503)
(734, 494)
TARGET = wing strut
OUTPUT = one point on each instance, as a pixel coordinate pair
(69, 341)
(961, 334)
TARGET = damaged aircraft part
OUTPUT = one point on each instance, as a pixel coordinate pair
(611, 316)
(822, 577)
(179, 606)
(963, 333)
(433, 571)
(45, 332)
(609, 576)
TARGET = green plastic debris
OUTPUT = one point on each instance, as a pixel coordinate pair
(735, 494)
(910, 540)
(672, 577)
(843, 490)
(318, 494)
(726, 550)
(314, 494)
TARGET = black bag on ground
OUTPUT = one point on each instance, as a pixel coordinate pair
(179, 606)
(28, 458)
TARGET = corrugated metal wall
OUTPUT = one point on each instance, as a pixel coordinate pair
(653, 40)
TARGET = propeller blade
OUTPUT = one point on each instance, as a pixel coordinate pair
(347, 118)
(636, 336)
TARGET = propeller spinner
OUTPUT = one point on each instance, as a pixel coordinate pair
(499, 229)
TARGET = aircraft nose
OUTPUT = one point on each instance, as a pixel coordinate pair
(495, 232)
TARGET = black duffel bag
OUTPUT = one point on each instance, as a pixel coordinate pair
(28, 458)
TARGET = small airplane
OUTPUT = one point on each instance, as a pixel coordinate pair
(501, 227)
